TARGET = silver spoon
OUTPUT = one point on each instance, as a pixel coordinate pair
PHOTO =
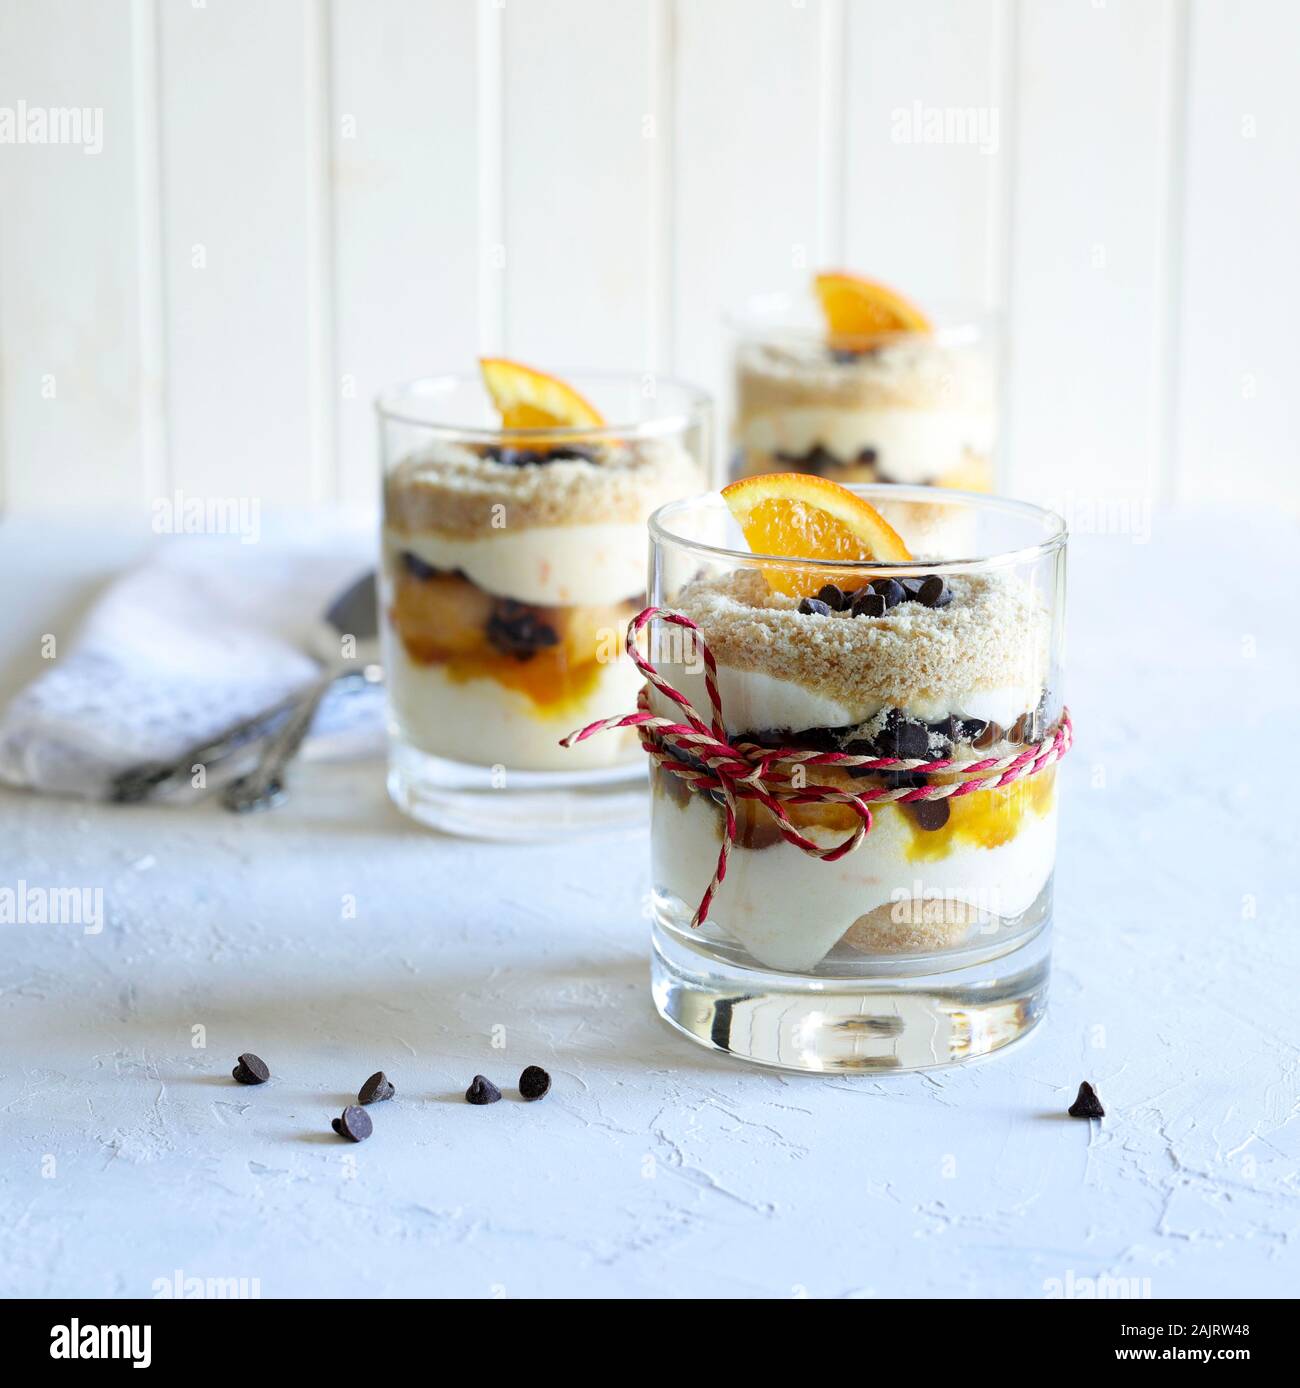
(355, 614)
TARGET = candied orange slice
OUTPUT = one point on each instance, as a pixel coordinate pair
(531, 399)
(858, 308)
(799, 516)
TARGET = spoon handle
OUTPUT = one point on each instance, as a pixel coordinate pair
(263, 786)
(142, 781)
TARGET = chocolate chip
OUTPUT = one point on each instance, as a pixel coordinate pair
(376, 1089)
(482, 1091)
(929, 814)
(251, 1069)
(913, 739)
(515, 630)
(990, 734)
(903, 737)
(866, 457)
(817, 459)
(810, 739)
(960, 729)
(842, 356)
(416, 567)
(934, 592)
(911, 588)
(1022, 730)
(832, 596)
(868, 603)
(814, 607)
(355, 1124)
(534, 1082)
(516, 457)
(890, 589)
(1087, 1105)
(570, 453)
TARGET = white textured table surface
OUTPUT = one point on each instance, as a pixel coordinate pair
(655, 1167)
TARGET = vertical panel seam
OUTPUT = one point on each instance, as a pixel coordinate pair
(660, 308)
(832, 133)
(151, 278)
(673, 199)
(1001, 271)
(326, 482)
(4, 414)
(1169, 338)
(492, 209)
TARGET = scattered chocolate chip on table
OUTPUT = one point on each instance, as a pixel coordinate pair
(376, 1089)
(354, 1123)
(482, 1091)
(251, 1069)
(534, 1083)
(1087, 1104)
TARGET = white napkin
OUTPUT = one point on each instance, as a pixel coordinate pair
(207, 631)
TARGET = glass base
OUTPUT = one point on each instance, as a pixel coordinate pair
(484, 802)
(898, 1021)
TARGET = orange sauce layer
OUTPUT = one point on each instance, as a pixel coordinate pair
(985, 818)
(442, 620)
(549, 679)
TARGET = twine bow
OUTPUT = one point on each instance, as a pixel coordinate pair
(702, 756)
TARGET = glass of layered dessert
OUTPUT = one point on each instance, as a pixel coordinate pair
(513, 556)
(854, 383)
(853, 733)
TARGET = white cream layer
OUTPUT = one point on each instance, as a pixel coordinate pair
(789, 910)
(753, 701)
(550, 565)
(482, 722)
(913, 445)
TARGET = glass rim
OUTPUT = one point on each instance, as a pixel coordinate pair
(388, 405)
(660, 534)
(772, 317)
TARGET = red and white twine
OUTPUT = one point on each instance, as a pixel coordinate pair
(775, 777)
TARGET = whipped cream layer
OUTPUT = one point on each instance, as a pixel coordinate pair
(753, 701)
(911, 444)
(789, 910)
(482, 721)
(551, 566)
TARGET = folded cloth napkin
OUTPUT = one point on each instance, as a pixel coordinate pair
(207, 631)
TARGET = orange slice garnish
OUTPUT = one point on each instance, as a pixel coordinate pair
(863, 309)
(799, 516)
(531, 399)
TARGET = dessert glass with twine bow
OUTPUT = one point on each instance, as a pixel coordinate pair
(853, 782)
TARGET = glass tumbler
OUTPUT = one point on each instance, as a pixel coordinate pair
(918, 409)
(927, 942)
(511, 564)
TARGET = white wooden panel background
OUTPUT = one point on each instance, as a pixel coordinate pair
(299, 201)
